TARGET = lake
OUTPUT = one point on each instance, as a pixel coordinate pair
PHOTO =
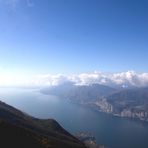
(114, 132)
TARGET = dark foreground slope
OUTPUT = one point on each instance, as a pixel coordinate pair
(20, 130)
(13, 136)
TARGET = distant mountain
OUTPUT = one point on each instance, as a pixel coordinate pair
(131, 102)
(79, 93)
(20, 130)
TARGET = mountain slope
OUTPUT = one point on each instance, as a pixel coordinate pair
(78, 93)
(131, 103)
(14, 136)
(43, 133)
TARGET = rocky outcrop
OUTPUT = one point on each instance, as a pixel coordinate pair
(89, 140)
(104, 106)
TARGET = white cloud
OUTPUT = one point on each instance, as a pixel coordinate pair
(13, 80)
(48, 80)
(129, 78)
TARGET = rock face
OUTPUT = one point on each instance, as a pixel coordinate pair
(129, 112)
(104, 106)
(89, 140)
(131, 103)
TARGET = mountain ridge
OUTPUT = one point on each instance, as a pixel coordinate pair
(47, 129)
(131, 102)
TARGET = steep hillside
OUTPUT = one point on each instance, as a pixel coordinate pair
(17, 127)
(13, 136)
(131, 103)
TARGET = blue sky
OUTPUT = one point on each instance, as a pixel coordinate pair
(73, 36)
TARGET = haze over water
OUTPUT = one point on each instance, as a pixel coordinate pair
(111, 131)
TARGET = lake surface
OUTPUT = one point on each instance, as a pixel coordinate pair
(111, 131)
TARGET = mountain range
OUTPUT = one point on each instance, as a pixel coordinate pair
(131, 102)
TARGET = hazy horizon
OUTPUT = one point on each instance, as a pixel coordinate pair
(49, 42)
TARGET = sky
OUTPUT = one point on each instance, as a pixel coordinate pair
(40, 37)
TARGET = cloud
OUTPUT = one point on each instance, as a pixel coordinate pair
(49, 80)
(8, 80)
(129, 78)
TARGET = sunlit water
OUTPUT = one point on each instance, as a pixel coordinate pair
(111, 131)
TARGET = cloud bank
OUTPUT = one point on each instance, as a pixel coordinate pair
(125, 79)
